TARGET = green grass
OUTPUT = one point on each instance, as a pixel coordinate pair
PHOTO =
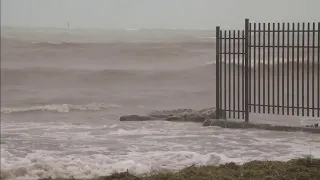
(296, 169)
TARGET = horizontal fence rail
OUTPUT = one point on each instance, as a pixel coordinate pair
(270, 68)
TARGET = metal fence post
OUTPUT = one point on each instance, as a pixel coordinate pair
(246, 65)
(218, 72)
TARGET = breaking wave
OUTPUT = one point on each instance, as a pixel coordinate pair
(58, 44)
(38, 165)
(89, 151)
(61, 108)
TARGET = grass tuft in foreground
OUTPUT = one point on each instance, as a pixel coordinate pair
(296, 169)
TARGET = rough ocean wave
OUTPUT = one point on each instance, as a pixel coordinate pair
(62, 108)
(88, 151)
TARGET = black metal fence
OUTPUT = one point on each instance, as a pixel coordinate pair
(271, 68)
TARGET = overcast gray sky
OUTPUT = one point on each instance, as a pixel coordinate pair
(154, 13)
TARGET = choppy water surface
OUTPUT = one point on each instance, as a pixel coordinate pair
(62, 92)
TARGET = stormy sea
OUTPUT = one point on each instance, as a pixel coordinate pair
(63, 91)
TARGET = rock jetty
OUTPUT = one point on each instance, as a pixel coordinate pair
(208, 117)
(177, 115)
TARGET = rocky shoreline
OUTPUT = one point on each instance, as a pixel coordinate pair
(208, 117)
(177, 115)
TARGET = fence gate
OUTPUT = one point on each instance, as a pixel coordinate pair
(271, 68)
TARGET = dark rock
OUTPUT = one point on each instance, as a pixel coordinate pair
(179, 115)
(170, 113)
(189, 114)
(195, 117)
(207, 122)
(313, 125)
(136, 118)
(175, 118)
(211, 113)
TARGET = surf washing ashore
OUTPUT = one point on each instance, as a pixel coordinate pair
(301, 169)
(64, 91)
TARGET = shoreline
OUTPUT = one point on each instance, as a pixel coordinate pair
(208, 117)
(306, 168)
(231, 124)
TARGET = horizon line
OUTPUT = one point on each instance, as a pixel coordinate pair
(98, 28)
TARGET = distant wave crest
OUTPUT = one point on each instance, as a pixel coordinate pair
(60, 44)
(61, 108)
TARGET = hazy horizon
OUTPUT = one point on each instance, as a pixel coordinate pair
(152, 14)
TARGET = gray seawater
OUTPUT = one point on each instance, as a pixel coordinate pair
(63, 91)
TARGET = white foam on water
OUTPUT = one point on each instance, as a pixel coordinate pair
(50, 164)
(132, 29)
(61, 108)
(46, 164)
(113, 126)
(87, 151)
(142, 131)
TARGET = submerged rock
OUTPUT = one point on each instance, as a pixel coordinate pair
(136, 118)
(169, 113)
(179, 115)
(188, 114)
(313, 125)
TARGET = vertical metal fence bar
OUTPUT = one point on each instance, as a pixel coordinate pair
(273, 61)
(229, 68)
(278, 68)
(247, 98)
(254, 66)
(298, 62)
(292, 74)
(303, 62)
(238, 68)
(259, 67)
(283, 65)
(288, 66)
(243, 74)
(225, 70)
(268, 68)
(234, 74)
(218, 71)
(308, 66)
(303, 47)
(318, 62)
(249, 67)
(263, 66)
(308, 52)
